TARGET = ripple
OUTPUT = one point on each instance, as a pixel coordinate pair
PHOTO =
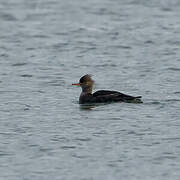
(55, 82)
(173, 69)
(19, 64)
(3, 55)
(60, 45)
(83, 139)
(153, 103)
(68, 147)
(39, 91)
(30, 48)
(42, 149)
(7, 133)
(61, 33)
(135, 133)
(149, 42)
(26, 75)
(5, 154)
(40, 36)
(160, 158)
(79, 156)
(26, 109)
(171, 138)
(59, 139)
(7, 17)
(106, 65)
(121, 47)
(166, 9)
(172, 100)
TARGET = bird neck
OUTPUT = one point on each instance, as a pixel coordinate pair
(87, 89)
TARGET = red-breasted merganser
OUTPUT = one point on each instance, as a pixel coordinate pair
(101, 96)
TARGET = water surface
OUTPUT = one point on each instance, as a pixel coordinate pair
(130, 45)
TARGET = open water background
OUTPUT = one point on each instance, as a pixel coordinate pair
(128, 45)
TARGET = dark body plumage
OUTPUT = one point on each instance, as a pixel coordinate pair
(102, 96)
(106, 96)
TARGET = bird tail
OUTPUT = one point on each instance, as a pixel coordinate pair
(138, 97)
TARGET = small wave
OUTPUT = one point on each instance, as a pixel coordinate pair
(40, 36)
(149, 42)
(55, 82)
(172, 100)
(7, 17)
(83, 139)
(30, 48)
(26, 75)
(106, 65)
(121, 46)
(171, 157)
(19, 64)
(135, 133)
(68, 147)
(79, 156)
(60, 45)
(153, 102)
(173, 69)
(166, 9)
(5, 154)
(171, 139)
(38, 91)
(4, 55)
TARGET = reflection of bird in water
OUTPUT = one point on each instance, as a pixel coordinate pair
(101, 96)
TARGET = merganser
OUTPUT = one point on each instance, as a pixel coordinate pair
(101, 96)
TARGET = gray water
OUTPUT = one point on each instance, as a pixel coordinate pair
(132, 46)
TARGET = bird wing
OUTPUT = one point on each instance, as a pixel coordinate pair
(112, 96)
(104, 92)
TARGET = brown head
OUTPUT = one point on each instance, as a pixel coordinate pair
(86, 83)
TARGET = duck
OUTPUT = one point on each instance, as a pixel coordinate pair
(101, 96)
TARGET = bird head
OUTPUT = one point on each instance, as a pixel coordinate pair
(86, 83)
